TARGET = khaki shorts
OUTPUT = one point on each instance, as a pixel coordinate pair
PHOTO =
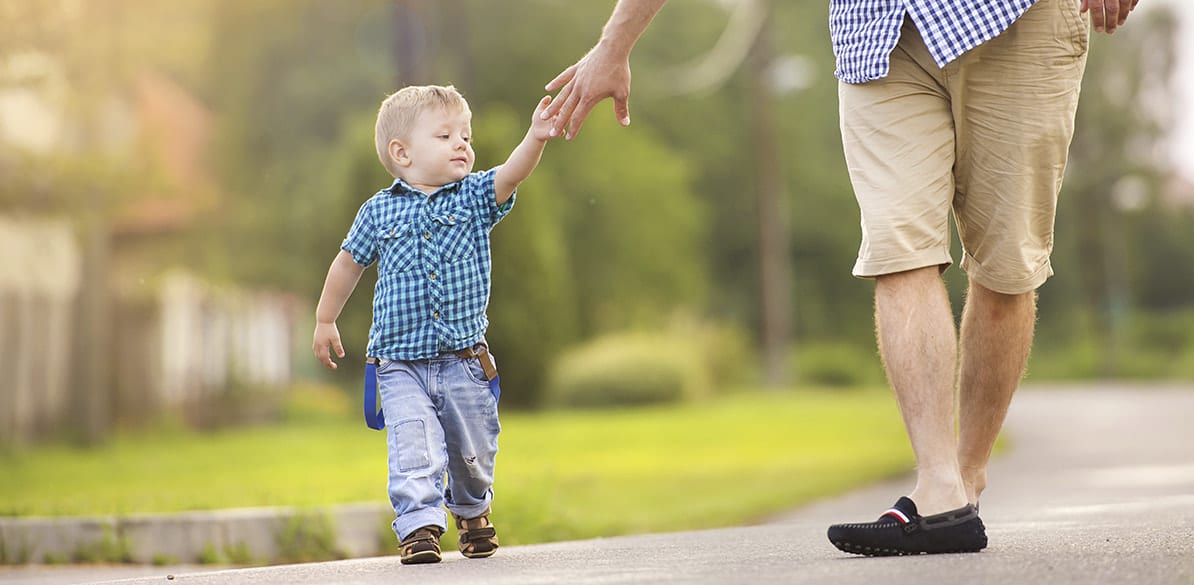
(986, 136)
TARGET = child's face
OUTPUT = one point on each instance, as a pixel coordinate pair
(439, 148)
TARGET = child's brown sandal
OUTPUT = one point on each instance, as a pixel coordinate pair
(421, 546)
(478, 538)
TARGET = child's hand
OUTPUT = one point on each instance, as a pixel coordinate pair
(327, 335)
(540, 127)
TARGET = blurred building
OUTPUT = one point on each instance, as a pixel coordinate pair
(107, 319)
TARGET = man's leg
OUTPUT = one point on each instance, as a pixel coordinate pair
(996, 339)
(918, 343)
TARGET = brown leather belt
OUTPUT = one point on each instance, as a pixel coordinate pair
(481, 352)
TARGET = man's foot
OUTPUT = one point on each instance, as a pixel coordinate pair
(901, 531)
(421, 546)
(478, 539)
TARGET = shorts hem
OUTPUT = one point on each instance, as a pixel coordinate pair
(1007, 286)
(872, 268)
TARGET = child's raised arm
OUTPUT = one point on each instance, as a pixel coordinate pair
(342, 279)
(526, 155)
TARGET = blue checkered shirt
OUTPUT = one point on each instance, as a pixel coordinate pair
(433, 265)
(864, 32)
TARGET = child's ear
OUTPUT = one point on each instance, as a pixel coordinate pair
(397, 152)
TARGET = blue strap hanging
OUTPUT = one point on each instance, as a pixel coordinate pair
(374, 416)
(497, 390)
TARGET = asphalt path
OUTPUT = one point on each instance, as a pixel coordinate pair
(1096, 486)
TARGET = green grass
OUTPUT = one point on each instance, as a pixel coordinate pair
(560, 475)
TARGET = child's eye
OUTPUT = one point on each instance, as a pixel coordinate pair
(467, 138)
(444, 136)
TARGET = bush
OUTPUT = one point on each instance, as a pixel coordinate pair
(1147, 346)
(837, 364)
(628, 369)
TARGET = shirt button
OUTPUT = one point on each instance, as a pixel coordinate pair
(392, 232)
(426, 235)
(432, 276)
(435, 315)
(451, 218)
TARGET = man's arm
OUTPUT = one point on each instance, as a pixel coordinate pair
(1107, 15)
(342, 279)
(526, 155)
(603, 72)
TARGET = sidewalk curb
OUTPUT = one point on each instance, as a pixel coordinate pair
(236, 536)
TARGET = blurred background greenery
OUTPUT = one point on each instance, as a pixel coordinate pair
(178, 175)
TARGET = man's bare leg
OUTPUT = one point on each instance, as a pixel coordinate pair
(996, 339)
(918, 342)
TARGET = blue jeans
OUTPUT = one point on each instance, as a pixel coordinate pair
(441, 419)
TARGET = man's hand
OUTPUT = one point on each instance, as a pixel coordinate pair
(598, 75)
(1107, 15)
(327, 336)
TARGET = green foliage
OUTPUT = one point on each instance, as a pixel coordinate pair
(239, 554)
(837, 365)
(19, 556)
(316, 403)
(210, 555)
(110, 548)
(1146, 346)
(55, 559)
(236, 554)
(307, 537)
(164, 560)
(626, 370)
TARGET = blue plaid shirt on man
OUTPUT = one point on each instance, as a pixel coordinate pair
(864, 32)
(433, 265)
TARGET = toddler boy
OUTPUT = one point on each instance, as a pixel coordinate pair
(428, 232)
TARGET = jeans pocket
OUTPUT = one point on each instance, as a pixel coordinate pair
(410, 445)
(473, 371)
(384, 364)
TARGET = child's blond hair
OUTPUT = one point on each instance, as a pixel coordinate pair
(399, 110)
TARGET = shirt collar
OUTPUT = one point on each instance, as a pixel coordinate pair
(400, 187)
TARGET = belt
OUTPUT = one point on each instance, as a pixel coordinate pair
(481, 352)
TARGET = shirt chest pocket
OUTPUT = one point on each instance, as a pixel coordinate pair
(399, 247)
(454, 233)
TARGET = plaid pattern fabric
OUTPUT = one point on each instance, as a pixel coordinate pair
(433, 265)
(864, 32)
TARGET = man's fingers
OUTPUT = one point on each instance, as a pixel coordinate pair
(564, 77)
(554, 108)
(574, 127)
(577, 119)
(1096, 14)
(1125, 7)
(1111, 15)
(622, 110)
(568, 106)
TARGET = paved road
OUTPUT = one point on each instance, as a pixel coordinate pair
(1097, 487)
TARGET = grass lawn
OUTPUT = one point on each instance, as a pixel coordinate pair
(560, 475)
